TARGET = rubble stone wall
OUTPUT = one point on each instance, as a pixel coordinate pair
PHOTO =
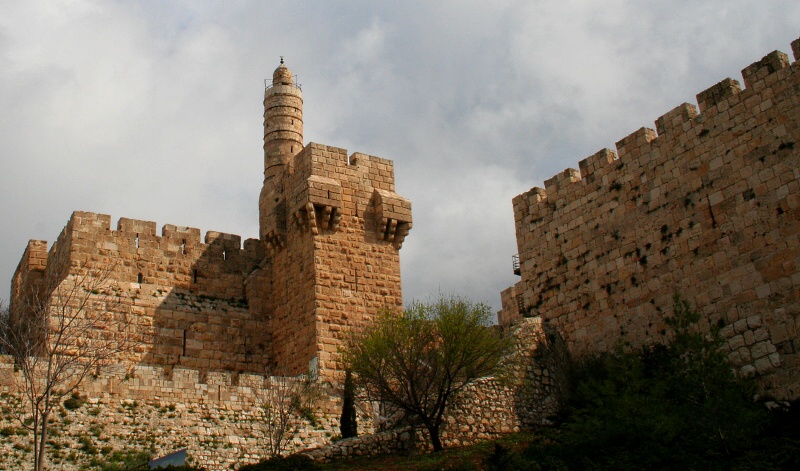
(215, 415)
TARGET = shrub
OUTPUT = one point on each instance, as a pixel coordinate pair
(283, 463)
(75, 401)
(131, 459)
(674, 406)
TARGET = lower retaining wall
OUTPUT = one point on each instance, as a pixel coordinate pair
(152, 409)
(484, 410)
(396, 441)
(218, 416)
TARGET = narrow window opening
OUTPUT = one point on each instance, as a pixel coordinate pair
(137, 241)
(194, 276)
(183, 246)
(139, 278)
(184, 343)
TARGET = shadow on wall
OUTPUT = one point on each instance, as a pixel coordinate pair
(187, 298)
(194, 295)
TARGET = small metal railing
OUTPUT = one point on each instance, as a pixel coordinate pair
(268, 85)
(515, 264)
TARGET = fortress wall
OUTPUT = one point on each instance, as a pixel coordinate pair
(291, 297)
(290, 288)
(214, 267)
(28, 278)
(510, 299)
(189, 308)
(217, 415)
(706, 207)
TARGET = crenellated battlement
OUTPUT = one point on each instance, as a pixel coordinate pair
(131, 229)
(334, 162)
(326, 185)
(675, 128)
(704, 205)
(133, 254)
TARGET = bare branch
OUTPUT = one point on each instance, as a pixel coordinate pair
(282, 401)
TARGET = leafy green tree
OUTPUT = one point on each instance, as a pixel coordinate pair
(419, 360)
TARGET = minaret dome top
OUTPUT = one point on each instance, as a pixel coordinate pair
(282, 75)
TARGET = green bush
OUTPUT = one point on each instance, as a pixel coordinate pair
(75, 401)
(505, 459)
(283, 463)
(676, 406)
(120, 460)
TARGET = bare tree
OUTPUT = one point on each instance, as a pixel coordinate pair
(284, 401)
(57, 335)
(418, 361)
(4, 318)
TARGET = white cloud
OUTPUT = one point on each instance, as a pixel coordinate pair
(153, 109)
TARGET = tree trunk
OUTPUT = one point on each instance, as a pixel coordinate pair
(35, 441)
(348, 424)
(435, 441)
(42, 441)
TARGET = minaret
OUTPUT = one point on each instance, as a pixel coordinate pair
(283, 138)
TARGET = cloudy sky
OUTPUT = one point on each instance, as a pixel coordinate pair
(152, 109)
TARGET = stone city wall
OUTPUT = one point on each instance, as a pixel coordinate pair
(705, 206)
(185, 298)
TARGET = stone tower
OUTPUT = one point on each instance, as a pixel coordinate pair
(327, 258)
(333, 226)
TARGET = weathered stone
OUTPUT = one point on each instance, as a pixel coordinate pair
(707, 208)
